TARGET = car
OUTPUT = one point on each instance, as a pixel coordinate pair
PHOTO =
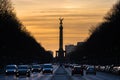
(77, 70)
(107, 68)
(91, 70)
(36, 68)
(11, 69)
(47, 68)
(116, 70)
(102, 68)
(23, 70)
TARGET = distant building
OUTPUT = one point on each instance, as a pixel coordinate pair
(69, 48)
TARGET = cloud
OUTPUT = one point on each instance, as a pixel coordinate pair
(53, 19)
(41, 18)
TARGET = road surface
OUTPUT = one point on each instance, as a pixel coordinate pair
(61, 73)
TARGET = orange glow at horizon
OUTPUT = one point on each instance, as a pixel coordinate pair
(40, 18)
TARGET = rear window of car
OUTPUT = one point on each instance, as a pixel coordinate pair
(36, 66)
(22, 67)
(78, 68)
(91, 68)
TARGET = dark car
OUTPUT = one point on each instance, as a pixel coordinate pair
(36, 68)
(91, 70)
(23, 70)
(11, 69)
(47, 68)
(77, 70)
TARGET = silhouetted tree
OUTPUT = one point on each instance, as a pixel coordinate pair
(16, 43)
(103, 45)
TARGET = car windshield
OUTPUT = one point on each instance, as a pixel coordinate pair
(22, 67)
(47, 66)
(35, 66)
(77, 68)
(10, 67)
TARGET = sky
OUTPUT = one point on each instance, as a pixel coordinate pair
(41, 19)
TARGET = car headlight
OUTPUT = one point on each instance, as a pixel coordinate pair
(6, 71)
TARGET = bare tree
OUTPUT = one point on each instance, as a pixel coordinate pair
(6, 6)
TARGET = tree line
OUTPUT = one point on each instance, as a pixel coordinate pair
(17, 45)
(103, 45)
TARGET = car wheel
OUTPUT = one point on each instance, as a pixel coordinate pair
(119, 72)
(72, 74)
(17, 75)
(28, 75)
(82, 74)
(94, 73)
(6, 73)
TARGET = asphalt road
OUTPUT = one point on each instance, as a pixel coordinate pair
(34, 76)
(98, 76)
(61, 73)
